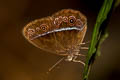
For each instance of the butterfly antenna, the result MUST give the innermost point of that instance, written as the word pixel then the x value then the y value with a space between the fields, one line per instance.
pixel 56 64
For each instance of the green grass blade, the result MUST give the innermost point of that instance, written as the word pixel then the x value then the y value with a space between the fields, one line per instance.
pixel 98 36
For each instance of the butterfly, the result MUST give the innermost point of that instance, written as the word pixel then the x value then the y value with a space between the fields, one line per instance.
pixel 61 33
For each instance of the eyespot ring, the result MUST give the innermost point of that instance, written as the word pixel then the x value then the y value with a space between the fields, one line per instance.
pixel 65 19
pixel 72 20
pixel 58 21
pixel 30 32
pixel 79 23
pixel 37 28
pixel 44 27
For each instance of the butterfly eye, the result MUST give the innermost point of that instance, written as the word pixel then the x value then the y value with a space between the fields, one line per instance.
pixel 72 20
pixel 44 27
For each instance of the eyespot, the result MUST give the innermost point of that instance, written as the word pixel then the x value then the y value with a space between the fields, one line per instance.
pixel 44 27
pixel 72 20
pixel 58 21
pixel 37 28
pixel 65 19
pixel 79 23
pixel 30 32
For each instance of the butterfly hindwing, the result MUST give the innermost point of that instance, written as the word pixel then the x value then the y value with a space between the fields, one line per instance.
pixel 58 33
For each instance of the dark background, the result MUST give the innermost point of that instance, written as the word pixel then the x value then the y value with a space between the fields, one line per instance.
pixel 19 60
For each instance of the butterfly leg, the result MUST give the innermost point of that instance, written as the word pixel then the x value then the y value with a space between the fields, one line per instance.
pixel 51 68
pixel 85 43
pixel 84 48
pixel 79 55
pixel 78 61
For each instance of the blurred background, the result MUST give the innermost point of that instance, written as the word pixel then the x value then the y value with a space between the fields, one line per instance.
pixel 19 60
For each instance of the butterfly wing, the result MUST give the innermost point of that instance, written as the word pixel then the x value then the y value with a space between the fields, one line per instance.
pixel 75 30
pixel 58 33
pixel 32 32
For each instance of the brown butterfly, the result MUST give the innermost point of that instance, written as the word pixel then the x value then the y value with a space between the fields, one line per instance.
pixel 61 34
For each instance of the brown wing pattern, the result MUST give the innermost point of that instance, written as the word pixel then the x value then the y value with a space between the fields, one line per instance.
pixel 49 33
pixel 70 38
